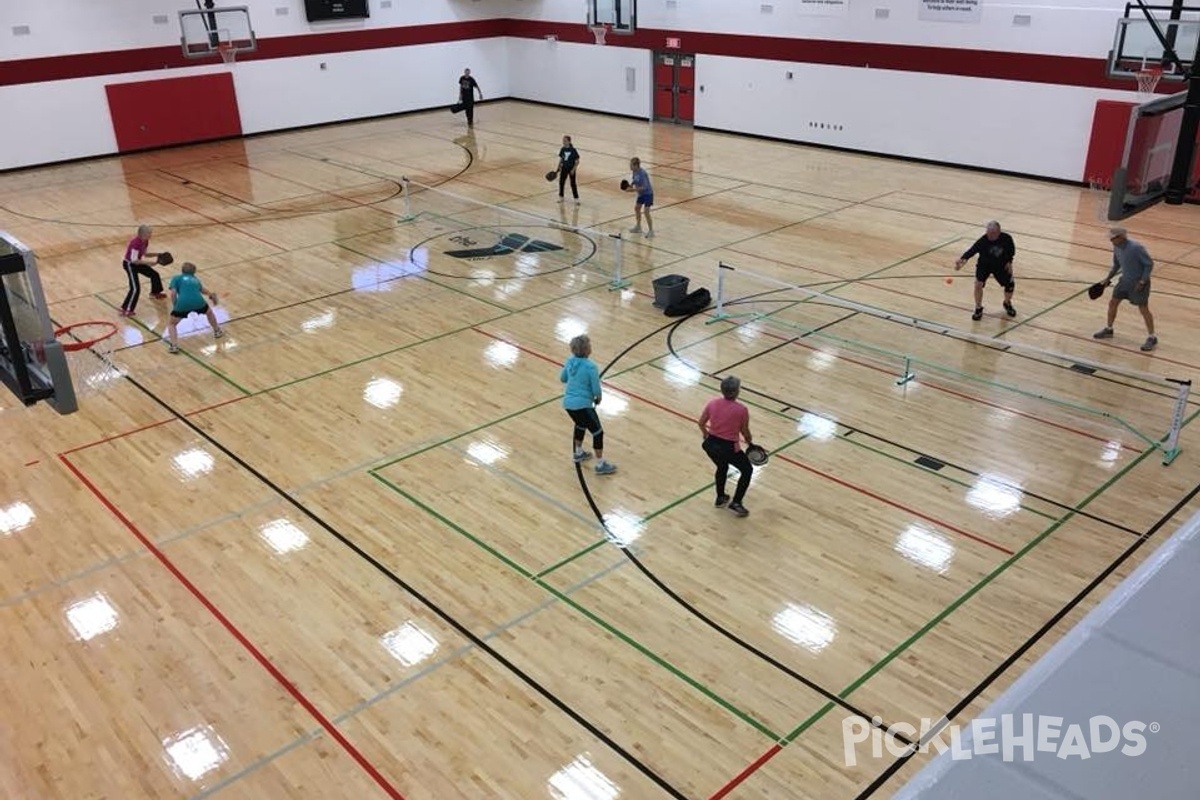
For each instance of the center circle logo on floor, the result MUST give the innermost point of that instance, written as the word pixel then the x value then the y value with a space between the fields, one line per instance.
pixel 483 243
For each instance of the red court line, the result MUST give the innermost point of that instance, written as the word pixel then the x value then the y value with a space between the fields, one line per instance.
pixel 841 482
pixel 150 425
pixel 963 395
pixel 747 772
pixel 214 220
pixel 241 638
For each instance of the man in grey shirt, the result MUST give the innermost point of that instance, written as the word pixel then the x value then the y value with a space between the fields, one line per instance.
pixel 1133 264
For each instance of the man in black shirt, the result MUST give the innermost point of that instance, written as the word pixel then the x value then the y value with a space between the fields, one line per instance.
pixel 996 250
pixel 467 87
pixel 568 160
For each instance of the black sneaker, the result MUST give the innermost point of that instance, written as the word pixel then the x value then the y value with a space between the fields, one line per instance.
pixel 739 509
pixel 978 315
pixel 722 499
pixel 1008 309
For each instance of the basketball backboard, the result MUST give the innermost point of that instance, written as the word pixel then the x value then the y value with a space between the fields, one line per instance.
pixel 32 362
pixel 216 31
pixel 1153 139
pixel 619 15
pixel 1137 43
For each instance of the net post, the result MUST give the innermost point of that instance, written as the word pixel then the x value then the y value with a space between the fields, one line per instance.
pixel 720 314
pixel 1170 445
pixel 618 282
pixel 407 194
pixel 908 375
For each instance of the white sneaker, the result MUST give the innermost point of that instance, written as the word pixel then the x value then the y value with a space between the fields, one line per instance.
pixel 649 234
pixel 218 333
pixel 636 229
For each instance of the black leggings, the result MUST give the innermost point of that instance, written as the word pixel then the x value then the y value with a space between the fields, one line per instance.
pixel 562 183
pixel 723 453
pixel 132 271
pixel 586 419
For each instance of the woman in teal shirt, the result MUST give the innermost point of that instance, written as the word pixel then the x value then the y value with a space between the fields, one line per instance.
pixel 580 399
pixel 188 297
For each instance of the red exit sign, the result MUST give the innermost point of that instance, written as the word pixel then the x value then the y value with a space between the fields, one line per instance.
pixel 673 42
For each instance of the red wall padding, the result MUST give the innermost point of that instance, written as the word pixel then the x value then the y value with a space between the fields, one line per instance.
pixel 173 111
pixel 1110 123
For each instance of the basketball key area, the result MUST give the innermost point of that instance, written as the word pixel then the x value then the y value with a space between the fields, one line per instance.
pixel 343 551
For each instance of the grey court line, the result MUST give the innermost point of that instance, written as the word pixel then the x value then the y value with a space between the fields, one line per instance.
pixel 408 681
pixel 186 532
pixel 529 489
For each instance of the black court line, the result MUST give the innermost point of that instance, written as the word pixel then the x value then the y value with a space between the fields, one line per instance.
pixel 395 579
pixel 793 340
pixel 416 273
pixel 1037 636
pixel 841 282
pixel 885 440
pixel 691 609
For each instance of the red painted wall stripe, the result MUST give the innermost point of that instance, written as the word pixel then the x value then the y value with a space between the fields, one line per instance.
pixel 1027 67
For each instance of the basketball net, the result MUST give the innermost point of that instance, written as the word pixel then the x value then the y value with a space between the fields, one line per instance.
pixel 600 32
pixel 228 54
pixel 1099 189
pixel 1147 80
pixel 90 360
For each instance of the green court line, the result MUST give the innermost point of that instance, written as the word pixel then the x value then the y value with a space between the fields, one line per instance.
pixel 931 473
pixel 461 434
pixel 891 656
pixel 383 354
pixel 660 661
pixel 186 352
pixel 1046 310
pixel 599 621
pixel 987 579
pixel 513 565
pixel 679 500
pixel 435 337
pixel 573 556
pixel 424 276
pixel 846 438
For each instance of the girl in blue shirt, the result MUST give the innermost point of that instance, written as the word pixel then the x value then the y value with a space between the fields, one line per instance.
pixel 580 399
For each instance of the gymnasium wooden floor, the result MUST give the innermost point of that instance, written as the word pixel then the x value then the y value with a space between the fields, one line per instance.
pixel 343 553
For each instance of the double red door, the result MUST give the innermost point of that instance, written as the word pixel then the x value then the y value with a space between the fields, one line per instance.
pixel 675 87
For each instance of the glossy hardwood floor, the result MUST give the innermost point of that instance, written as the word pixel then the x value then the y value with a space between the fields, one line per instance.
pixel 343 552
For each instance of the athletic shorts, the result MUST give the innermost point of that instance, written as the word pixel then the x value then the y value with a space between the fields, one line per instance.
pixel 183 313
pixel 1136 297
pixel 999 273
pixel 646 200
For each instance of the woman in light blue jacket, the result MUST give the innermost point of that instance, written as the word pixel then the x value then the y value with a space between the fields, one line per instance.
pixel 580 399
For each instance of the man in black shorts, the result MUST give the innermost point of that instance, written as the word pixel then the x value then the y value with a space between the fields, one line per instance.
pixel 996 250
pixel 467 89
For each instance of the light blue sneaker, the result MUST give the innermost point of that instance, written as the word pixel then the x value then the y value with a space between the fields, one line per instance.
pixel 606 468
pixel 581 456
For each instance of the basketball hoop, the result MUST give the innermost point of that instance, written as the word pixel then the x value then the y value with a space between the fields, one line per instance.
pixel 599 31
pixel 1147 80
pixel 90 359
pixel 228 53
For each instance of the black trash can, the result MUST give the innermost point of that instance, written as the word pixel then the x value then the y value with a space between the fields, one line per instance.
pixel 669 289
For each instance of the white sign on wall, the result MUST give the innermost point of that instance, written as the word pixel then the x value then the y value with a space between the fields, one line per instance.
pixel 951 10
pixel 822 8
